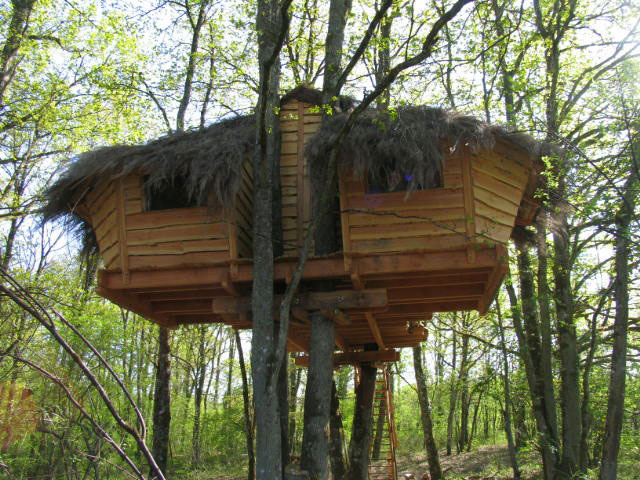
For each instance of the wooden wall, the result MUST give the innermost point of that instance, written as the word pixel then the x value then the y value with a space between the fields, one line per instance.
pixel 101 203
pixel 298 123
pixel 477 204
pixel 499 180
pixel 131 238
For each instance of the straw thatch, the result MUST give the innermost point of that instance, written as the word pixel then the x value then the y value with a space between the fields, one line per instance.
pixel 406 145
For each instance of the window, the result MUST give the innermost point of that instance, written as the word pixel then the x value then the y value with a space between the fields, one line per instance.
pixel 169 195
pixel 385 181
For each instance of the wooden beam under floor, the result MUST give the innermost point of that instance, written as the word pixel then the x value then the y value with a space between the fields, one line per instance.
pixel 353 358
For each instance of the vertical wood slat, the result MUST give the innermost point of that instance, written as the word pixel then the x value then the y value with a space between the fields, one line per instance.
pixel 469 210
pixel 344 221
pixel 233 241
pixel 300 177
pixel 122 231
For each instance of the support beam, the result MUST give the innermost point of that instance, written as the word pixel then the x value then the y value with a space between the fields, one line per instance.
pixel 355 358
pixel 131 303
pixel 374 298
pixel 338 317
pixel 375 330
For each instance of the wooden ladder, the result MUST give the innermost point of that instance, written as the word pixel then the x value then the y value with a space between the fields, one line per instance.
pixel 382 454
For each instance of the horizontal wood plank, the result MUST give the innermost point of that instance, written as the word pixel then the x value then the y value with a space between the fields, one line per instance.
pixel 433 198
pixel 404 230
pixel 176 261
pixel 496 186
pixel 494 201
pixel 180 247
pixel 499 167
pixel 496 231
pixel 493 214
pixel 166 218
pixel 406 216
pixel 177 233
pixel 440 242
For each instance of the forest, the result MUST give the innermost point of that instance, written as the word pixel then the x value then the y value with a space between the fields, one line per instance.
pixel 545 385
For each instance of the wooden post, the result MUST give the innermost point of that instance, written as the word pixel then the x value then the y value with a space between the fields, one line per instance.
pixel 317 400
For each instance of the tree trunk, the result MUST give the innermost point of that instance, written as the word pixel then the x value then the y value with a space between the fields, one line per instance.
pixel 248 426
pixel 544 440
pixel 162 401
pixel 615 405
pixel 362 423
pixel 317 400
pixel 200 370
pixel 507 399
pixel 337 446
pixel 464 391
pixel 453 394
pixel 283 406
pixel 264 361
pixel 568 347
pixel 425 415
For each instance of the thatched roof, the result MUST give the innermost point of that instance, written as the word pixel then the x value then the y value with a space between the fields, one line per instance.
pixel 210 160
pixel 408 143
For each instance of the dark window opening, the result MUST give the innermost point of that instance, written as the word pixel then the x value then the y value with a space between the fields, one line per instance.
pixel 169 195
pixel 385 181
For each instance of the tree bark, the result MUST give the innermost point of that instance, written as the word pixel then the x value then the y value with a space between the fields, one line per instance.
pixel 453 395
pixel 200 371
pixel 265 361
pixel 20 13
pixel 162 401
pixel 615 405
pixel 425 415
pixel 547 453
pixel 317 400
pixel 191 63
pixel 362 423
pixel 248 426
pixel 283 406
pixel 568 348
pixel 337 450
pixel 507 399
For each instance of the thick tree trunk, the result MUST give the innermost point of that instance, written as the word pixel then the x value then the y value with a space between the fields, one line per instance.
pixel 425 415
pixel 264 361
pixel 615 406
pixel 337 450
pixel 568 349
pixel 317 401
pixel 544 440
pixel 362 425
pixel 248 426
pixel 162 402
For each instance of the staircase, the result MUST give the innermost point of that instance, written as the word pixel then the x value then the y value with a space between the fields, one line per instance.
pixel 384 440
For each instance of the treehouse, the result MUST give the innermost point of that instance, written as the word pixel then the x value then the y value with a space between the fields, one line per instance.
pixel 428 200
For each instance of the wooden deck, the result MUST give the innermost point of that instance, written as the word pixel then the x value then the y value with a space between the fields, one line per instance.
pixel 382 298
